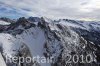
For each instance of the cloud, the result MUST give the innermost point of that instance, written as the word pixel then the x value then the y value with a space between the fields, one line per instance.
pixel 90 6
pixel 73 9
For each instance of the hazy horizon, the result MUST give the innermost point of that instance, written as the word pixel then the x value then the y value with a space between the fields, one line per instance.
pixel 71 9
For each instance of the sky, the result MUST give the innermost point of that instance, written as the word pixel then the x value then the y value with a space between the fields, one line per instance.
pixel 70 9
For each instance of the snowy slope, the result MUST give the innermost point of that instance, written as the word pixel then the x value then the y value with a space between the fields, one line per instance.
pixel 2 62
pixel 34 38
pixel 4 23
pixel 81 24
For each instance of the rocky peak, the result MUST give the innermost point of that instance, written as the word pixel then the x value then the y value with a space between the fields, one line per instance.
pixel 34 19
pixel 23 21
pixel 7 19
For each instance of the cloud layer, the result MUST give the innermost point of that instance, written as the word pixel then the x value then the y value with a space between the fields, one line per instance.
pixel 73 9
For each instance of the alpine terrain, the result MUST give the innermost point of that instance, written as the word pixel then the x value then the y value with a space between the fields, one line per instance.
pixel 64 42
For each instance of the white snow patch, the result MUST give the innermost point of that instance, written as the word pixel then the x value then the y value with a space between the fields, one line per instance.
pixel 4 23
pixel 34 38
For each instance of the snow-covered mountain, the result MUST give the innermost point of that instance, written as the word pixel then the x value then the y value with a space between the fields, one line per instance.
pixel 48 38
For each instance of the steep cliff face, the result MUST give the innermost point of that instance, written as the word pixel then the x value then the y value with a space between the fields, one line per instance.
pixel 54 41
